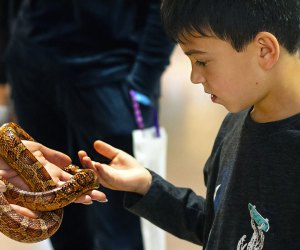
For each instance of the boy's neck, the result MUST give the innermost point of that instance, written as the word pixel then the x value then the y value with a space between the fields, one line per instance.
pixel 284 99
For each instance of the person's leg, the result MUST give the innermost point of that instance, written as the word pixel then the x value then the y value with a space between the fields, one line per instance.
pixel 66 117
pixel 36 94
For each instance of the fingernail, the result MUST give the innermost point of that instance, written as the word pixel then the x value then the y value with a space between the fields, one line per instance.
pixel 88 203
pixel 103 201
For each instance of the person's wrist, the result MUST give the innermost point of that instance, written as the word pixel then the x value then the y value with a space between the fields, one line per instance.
pixel 147 180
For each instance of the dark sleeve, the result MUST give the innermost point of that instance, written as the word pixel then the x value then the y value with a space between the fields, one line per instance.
pixel 153 55
pixel 3 37
pixel 178 211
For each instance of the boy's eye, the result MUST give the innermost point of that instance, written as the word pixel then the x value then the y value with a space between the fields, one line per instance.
pixel 201 63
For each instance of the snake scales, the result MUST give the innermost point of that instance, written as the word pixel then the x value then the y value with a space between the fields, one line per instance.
pixel 45 196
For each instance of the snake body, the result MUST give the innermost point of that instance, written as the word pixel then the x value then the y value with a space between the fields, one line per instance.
pixel 44 195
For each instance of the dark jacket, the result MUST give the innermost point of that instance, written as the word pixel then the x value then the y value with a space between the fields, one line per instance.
pixel 8 12
pixel 97 39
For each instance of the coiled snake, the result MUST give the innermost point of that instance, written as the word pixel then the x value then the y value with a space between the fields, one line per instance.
pixel 44 196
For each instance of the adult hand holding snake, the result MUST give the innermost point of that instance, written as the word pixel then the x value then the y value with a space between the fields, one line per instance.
pixel 49 192
pixel 53 161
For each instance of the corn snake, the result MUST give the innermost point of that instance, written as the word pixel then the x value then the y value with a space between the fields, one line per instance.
pixel 44 195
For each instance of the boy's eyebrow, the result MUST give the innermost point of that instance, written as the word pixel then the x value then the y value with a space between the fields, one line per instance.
pixel 193 51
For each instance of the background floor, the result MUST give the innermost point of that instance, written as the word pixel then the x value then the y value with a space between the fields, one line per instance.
pixel 191 121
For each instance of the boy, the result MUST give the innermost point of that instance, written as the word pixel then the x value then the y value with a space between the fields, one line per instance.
pixel 245 55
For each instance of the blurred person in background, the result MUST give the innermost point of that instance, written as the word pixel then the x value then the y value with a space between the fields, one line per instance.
pixel 71 65
pixel 8 12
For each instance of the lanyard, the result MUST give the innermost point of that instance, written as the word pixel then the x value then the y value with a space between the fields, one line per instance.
pixel 138 98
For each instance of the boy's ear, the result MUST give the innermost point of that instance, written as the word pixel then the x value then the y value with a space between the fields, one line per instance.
pixel 269 49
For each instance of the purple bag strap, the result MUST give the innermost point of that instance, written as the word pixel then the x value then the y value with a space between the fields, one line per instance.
pixel 136 99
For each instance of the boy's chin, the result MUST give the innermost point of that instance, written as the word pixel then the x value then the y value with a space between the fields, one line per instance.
pixel 236 109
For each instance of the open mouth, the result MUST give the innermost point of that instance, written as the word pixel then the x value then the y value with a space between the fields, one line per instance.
pixel 213 97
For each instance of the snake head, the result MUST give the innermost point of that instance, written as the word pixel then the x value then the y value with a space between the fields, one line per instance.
pixel 87 178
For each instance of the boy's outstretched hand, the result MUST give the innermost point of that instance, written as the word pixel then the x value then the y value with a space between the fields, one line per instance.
pixel 124 173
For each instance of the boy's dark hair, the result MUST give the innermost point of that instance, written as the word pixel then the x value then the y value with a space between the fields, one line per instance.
pixel 235 21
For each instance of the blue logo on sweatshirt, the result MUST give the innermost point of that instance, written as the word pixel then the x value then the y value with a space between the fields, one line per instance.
pixel 259 225
pixel 261 222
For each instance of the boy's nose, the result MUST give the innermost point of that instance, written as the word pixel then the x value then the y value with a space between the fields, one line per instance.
pixel 197 77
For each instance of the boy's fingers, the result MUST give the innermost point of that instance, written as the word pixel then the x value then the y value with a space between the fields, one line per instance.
pixel 106 150
pixel 81 154
pixel 86 162
pixel 105 176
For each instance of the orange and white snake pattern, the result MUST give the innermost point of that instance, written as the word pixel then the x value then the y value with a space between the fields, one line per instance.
pixel 45 196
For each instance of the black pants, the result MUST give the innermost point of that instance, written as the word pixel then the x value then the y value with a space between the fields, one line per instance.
pixel 67 116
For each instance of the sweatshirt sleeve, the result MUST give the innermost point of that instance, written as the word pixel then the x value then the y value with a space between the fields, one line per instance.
pixel 153 55
pixel 178 211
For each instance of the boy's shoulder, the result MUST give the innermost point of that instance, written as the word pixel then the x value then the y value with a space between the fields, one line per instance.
pixel 233 120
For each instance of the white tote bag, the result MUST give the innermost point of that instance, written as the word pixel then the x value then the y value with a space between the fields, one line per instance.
pixel 150 149
pixel 151 152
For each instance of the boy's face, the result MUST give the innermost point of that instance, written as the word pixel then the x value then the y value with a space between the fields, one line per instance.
pixel 230 77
